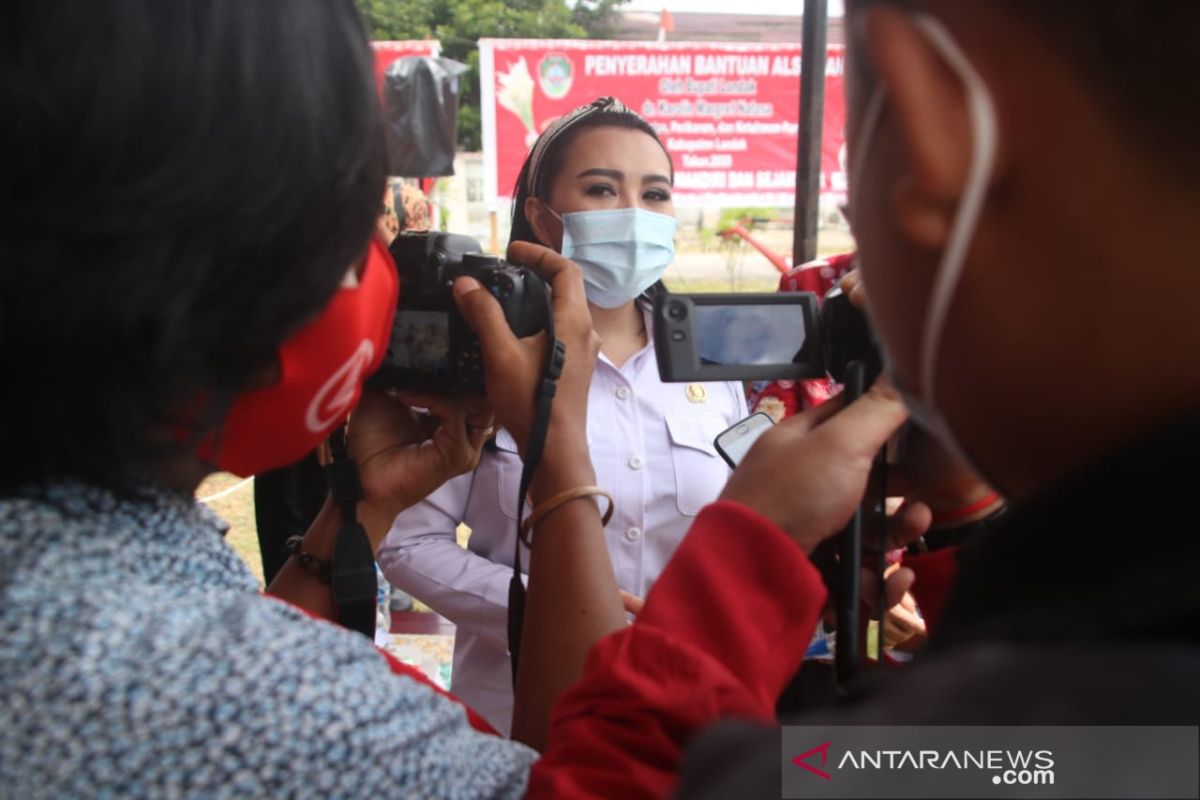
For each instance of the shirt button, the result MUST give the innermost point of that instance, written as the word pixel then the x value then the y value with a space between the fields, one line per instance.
pixel 633 534
pixel 636 462
pixel 623 393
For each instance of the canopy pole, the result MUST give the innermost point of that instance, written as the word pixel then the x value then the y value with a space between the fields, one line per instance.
pixel 814 40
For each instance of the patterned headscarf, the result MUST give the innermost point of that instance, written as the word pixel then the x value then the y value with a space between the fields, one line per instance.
pixel 560 126
pixel 415 205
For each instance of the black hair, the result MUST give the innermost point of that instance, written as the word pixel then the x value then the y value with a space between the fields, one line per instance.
pixel 554 157
pixel 185 184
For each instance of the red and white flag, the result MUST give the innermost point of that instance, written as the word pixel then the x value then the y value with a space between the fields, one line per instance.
pixel 665 24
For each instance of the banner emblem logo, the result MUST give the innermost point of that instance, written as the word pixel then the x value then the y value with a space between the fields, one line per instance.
pixel 555 74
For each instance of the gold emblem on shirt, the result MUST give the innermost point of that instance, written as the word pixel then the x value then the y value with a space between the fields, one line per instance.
pixel 696 393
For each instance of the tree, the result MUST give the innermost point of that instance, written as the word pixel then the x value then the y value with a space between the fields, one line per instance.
pixel 460 24
pixel 398 19
pixel 599 18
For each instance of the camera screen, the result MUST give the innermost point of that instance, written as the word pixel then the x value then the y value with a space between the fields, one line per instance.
pixel 421 341
pixel 749 334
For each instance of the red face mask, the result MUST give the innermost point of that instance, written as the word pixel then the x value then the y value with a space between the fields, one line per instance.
pixel 323 367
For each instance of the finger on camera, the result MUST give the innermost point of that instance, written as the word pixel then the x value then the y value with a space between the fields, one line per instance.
pixel 420 401
pixel 852 285
pixel 382 402
pixel 563 274
pixel 803 423
pixel 483 313
pixel 865 425
pixel 897 585
pixel 904 527
pixel 478 409
pixel 908 524
pixel 377 412
pixel 894 586
pixel 445 408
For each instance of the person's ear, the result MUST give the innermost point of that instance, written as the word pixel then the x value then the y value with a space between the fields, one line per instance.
pixel 546 226
pixel 928 103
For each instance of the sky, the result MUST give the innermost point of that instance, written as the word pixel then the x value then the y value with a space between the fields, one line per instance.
pixel 781 7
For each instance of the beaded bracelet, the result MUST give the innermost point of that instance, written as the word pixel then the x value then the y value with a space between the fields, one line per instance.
pixel 319 568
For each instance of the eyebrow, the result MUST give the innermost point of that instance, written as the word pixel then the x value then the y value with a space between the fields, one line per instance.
pixel 617 175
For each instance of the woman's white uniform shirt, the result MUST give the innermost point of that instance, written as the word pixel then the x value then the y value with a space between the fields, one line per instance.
pixel 652 447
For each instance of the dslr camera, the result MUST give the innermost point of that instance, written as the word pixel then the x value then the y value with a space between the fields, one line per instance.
pixel 432 348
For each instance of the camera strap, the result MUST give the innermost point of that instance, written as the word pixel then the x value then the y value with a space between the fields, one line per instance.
pixel 353 571
pixel 543 401
pixel 869 518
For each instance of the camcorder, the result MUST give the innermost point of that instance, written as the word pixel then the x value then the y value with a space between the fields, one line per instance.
pixel 710 337
pixel 760 337
pixel 432 348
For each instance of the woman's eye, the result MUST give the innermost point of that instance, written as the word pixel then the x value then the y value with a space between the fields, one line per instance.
pixel 657 196
pixel 600 190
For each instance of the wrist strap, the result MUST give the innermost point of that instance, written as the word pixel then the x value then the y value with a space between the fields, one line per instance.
pixel 353 563
pixel 956 536
pixel 955 514
pixel 560 500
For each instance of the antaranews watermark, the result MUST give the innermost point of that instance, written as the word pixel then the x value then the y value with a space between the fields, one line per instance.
pixel 991 762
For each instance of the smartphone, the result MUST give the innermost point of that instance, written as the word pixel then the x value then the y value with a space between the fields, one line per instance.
pixel 735 441
pixel 737 337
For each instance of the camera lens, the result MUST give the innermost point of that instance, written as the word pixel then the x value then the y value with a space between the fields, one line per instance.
pixel 677 311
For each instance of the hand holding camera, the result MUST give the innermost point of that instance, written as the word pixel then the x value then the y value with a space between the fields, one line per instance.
pixel 827 453
pixel 404 456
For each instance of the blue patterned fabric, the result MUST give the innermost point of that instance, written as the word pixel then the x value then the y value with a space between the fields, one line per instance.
pixel 139 659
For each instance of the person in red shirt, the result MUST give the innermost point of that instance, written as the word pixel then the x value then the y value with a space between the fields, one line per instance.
pixel 994 247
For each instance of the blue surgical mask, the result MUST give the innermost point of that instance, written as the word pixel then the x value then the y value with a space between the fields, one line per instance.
pixel 984 130
pixel 622 251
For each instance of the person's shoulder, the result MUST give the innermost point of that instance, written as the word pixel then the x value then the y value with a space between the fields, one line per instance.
pixel 231 689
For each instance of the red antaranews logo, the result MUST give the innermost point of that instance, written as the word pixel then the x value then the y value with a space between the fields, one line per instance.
pixel 823 749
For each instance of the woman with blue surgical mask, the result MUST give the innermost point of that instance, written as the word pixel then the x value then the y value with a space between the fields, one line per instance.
pixel 597 186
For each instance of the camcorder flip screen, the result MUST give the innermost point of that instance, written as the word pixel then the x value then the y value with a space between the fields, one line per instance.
pixel 724 337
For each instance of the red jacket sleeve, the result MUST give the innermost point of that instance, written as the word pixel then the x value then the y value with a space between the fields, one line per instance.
pixel 722 632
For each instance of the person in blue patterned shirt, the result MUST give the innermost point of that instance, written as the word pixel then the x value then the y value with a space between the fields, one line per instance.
pixel 227 164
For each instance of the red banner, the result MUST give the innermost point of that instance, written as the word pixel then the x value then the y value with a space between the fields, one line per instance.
pixel 387 52
pixel 727 112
